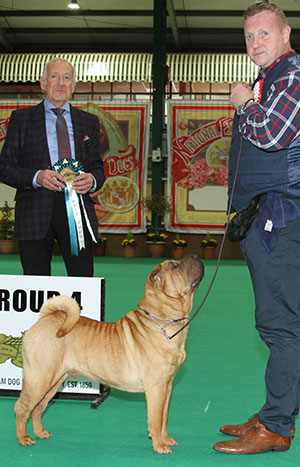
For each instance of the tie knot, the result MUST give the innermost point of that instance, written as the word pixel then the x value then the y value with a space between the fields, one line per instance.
pixel 58 111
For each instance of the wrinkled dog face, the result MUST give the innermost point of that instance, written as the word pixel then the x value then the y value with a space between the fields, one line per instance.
pixel 177 279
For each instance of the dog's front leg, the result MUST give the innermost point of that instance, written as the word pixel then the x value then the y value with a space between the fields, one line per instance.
pixel 155 398
pixel 164 435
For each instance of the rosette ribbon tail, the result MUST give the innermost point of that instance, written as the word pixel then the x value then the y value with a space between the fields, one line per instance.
pixel 74 220
pixel 87 220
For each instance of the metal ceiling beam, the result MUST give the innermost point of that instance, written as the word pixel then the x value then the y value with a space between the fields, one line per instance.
pixel 29 13
pixel 129 13
pixel 83 30
pixel 4 42
pixel 131 30
pixel 173 23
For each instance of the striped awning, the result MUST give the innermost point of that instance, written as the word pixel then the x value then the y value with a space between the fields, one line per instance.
pixel 89 67
pixel 132 67
pixel 213 68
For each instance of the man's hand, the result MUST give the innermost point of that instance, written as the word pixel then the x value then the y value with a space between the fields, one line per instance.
pixel 50 179
pixel 241 93
pixel 83 183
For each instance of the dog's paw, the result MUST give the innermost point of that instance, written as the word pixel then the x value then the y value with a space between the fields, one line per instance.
pixel 169 441
pixel 161 448
pixel 43 434
pixel 26 440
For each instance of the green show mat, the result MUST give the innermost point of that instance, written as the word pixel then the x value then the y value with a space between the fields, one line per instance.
pixel 221 381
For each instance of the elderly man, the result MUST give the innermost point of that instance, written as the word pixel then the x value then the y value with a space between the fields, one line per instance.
pixel 38 137
pixel 266 137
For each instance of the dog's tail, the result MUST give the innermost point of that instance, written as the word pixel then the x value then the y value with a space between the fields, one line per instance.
pixel 68 306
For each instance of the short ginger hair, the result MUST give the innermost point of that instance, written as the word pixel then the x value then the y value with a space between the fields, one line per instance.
pixel 265 5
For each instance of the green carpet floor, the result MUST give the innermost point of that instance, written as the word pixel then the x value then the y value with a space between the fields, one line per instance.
pixel 221 381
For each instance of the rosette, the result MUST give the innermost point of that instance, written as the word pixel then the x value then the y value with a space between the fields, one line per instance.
pixel 69 169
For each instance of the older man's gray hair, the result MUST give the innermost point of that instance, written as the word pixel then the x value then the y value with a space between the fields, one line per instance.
pixel 55 59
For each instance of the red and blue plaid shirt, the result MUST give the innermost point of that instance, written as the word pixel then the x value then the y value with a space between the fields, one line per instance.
pixel 274 124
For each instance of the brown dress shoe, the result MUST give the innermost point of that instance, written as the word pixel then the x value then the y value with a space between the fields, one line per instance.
pixel 257 440
pixel 240 430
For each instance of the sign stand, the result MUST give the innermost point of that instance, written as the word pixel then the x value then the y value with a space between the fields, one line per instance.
pixel 104 393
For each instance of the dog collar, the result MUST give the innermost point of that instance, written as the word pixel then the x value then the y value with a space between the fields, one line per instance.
pixel 168 322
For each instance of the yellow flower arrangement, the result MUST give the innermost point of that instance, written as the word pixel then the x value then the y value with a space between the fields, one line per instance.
pixel 101 240
pixel 129 240
pixel 178 242
pixel 157 237
pixel 208 241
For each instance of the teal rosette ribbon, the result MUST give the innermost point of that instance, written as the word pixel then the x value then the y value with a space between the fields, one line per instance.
pixel 69 169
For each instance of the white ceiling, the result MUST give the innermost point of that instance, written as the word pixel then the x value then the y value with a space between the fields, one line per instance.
pixel 104 26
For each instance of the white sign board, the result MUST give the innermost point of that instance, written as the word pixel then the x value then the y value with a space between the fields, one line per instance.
pixel 20 300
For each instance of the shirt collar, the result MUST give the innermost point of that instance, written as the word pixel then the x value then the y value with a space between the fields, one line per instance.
pixel 263 73
pixel 48 105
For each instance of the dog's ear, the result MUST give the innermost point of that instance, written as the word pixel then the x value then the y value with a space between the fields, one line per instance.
pixel 155 274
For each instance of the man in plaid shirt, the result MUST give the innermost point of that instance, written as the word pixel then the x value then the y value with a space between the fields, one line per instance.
pixel 265 136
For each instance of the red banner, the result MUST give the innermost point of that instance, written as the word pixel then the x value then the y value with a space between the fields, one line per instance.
pixel 199 141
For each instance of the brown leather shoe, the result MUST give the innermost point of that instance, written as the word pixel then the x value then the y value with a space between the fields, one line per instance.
pixel 257 440
pixel 240 430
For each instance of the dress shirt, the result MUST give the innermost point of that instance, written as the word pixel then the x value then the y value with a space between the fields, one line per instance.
pixel 51 129
pixel 51 118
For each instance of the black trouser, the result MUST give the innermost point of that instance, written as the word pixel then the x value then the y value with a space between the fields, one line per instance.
pixel 36 255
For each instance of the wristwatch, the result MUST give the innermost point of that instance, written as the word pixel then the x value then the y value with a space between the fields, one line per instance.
pixel 241 108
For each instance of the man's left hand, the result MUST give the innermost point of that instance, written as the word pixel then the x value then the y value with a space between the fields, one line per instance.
pixel 83 183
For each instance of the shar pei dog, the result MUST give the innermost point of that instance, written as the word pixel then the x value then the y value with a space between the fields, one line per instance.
pixel 133 354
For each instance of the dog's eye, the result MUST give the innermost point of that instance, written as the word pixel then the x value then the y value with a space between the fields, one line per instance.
pixel 175 265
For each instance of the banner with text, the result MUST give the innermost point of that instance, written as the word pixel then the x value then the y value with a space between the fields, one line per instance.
pixel 124 141
pixel 20 300
pixel 199 136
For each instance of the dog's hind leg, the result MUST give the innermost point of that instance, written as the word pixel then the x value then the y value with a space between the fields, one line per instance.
pixel 23 411
pixel 34 391
pixel 164 435
pixel 36 416
pixel 30 396
pixel 155 397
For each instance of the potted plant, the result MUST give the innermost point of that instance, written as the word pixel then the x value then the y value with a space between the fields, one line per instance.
pixel 156 243
pixel 129 244
pixel 159 205
pixel 100 248
pixel 6 229
pixel 178 247
pixel 209 246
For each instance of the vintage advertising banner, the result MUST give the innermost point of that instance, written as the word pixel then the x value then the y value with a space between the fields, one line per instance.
pixel 199 136
pixel 124 138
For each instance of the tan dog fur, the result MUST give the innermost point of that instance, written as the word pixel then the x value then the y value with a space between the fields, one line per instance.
pixel 131 354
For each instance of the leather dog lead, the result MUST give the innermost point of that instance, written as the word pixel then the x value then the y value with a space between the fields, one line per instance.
pixel 220 251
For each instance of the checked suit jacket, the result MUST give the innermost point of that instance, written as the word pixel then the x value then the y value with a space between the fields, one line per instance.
pixel 25 151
